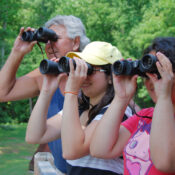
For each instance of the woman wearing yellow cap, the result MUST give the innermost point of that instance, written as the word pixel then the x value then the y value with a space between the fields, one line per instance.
pixel 87 96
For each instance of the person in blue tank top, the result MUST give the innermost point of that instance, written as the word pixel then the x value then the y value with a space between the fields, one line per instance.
pixel 56 105
pixel 71 37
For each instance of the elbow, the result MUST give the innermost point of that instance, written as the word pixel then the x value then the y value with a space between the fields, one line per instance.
pixel 68 152
pixel 102 154
pixel 74 153
pixel 2 98
pixel 31 140
pixel 4 94
pixel 28 140
pixel 69 155
pixel 93 152
pixel 96 153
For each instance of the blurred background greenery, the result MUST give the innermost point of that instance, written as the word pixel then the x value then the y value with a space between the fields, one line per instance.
pixel 129 24
pixel 15 153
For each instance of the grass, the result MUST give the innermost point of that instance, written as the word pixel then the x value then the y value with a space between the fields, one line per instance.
pixel 15 153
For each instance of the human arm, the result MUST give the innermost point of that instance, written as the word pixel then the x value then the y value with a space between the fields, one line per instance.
pixel 75 138
pixel 39 129
pixel 134 106
pixel 12 88
pixel 162 142
pixel 109 134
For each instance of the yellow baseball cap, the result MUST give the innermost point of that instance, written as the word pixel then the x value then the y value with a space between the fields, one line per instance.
pixel 98 53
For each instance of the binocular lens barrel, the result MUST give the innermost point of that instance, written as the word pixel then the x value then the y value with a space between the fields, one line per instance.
pixel 45 34
pixel 49 67
pixel 139 67
pixel 42 34
pixel 27 36
pixel 118 67
pixel 64 64
pixel 148 62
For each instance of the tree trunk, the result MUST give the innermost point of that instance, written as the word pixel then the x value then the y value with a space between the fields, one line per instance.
pixel 3 46
pixel 31 105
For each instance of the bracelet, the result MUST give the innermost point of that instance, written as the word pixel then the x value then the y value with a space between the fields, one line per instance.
pixel 70 92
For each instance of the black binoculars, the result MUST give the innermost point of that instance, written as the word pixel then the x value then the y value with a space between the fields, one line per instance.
pixel 51 67
pixel 147 64
pixel 42 34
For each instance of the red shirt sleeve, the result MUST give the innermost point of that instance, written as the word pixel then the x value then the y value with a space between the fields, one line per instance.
pixel 132 122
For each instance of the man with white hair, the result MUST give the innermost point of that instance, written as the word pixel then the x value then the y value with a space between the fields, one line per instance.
pixel 71 37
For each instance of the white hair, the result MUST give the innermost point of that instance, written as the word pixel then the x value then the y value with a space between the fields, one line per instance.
pixel 74 28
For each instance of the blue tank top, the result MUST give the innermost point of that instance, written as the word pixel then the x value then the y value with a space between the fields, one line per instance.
pixel 55 146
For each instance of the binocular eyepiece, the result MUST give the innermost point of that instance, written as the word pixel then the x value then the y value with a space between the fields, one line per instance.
pixel 51 67
pixel 42 34
pixel 147 64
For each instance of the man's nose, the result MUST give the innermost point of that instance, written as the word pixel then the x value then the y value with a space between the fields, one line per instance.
pixel 51 42
pixel 48 42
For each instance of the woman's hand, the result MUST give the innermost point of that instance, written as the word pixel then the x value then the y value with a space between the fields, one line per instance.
pixel 163 86
pixel 77 76
pixel 125 86
pixel 51 82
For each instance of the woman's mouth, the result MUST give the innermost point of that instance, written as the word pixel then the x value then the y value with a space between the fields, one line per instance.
pixel 85 85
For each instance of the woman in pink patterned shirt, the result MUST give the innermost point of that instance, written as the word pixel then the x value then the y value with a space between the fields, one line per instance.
pixel 146 139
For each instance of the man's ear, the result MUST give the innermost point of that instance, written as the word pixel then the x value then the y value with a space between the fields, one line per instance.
pixel 76 44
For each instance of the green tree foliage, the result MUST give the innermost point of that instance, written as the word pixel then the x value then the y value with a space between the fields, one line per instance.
pixel 8 19
pixel 129 24
pixel 158 20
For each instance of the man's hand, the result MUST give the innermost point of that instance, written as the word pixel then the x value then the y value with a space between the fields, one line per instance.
pixel 23 47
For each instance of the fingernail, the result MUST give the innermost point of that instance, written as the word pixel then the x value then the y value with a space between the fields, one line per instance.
pixel 158 53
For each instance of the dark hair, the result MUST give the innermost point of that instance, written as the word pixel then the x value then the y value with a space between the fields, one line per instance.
pixel 165 45
pixel 107 98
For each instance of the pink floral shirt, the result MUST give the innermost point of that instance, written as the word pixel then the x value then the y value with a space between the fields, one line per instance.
pixel 136 153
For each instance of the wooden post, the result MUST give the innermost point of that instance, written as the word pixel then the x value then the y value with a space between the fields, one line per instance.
pixel 44 164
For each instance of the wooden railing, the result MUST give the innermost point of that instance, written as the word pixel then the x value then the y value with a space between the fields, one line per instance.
pixel 44 164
